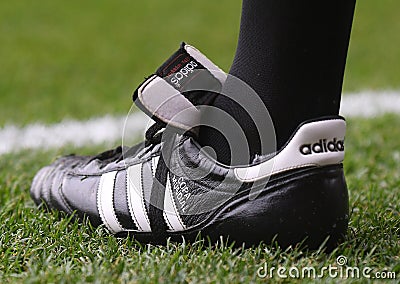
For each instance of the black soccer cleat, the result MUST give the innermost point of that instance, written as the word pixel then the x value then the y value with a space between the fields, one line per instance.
pixel 167 187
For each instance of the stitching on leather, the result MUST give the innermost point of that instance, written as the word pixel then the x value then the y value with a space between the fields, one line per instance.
pixel 194 76
pixel 203 63
pixel 281 150
pixel 172 61
pixel 154 166
pixel 128 198
pixel 45 189
pixel 159 115
pixel 112 202
pixel 100 205
pixel 63 198
pixel 276 153
pixel 294 168
pixel 167 221
pixel 118 168
pixel 293 136
pixel 127 202
pixel 143 202
pixel 174 205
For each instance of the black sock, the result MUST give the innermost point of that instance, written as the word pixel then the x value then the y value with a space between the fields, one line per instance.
pixel 293 54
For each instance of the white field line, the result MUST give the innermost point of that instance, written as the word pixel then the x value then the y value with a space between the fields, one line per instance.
pixel 370 104
pixel 109 129
pixel 94 131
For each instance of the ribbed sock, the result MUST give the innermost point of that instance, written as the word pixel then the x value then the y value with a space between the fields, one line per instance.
pixel 293 54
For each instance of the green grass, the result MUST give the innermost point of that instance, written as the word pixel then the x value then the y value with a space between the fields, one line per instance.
pixel 374 53
pixel 82 58
pixel 39 247
pixel 78 59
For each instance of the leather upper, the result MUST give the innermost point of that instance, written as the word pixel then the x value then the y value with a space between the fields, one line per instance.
pixel 173 185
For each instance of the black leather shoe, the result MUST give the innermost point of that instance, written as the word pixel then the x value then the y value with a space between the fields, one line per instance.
pixel 168 187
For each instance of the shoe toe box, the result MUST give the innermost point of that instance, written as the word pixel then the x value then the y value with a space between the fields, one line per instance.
pixel 37 184
pixel 46 183
pixel 58 187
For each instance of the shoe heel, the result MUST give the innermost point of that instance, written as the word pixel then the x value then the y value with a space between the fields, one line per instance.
pixel 307 208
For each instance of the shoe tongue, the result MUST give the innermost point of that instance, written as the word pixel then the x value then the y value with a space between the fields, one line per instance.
pixel 186 80
pixel 188 69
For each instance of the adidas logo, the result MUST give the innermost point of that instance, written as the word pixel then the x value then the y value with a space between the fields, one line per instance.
pixel 183 73
pixel 323 146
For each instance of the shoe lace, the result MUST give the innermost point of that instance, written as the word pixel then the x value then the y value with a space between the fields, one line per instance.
pixel 153 137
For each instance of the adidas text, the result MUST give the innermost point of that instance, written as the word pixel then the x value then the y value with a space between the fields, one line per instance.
pixel 183 73
pixel 323 146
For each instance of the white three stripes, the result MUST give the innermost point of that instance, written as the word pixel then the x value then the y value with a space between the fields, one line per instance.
pixel 154 163
pixel 171 214
pixel 136 201
pixel 105 201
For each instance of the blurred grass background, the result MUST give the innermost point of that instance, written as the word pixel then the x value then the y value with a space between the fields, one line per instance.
pixel 78 59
